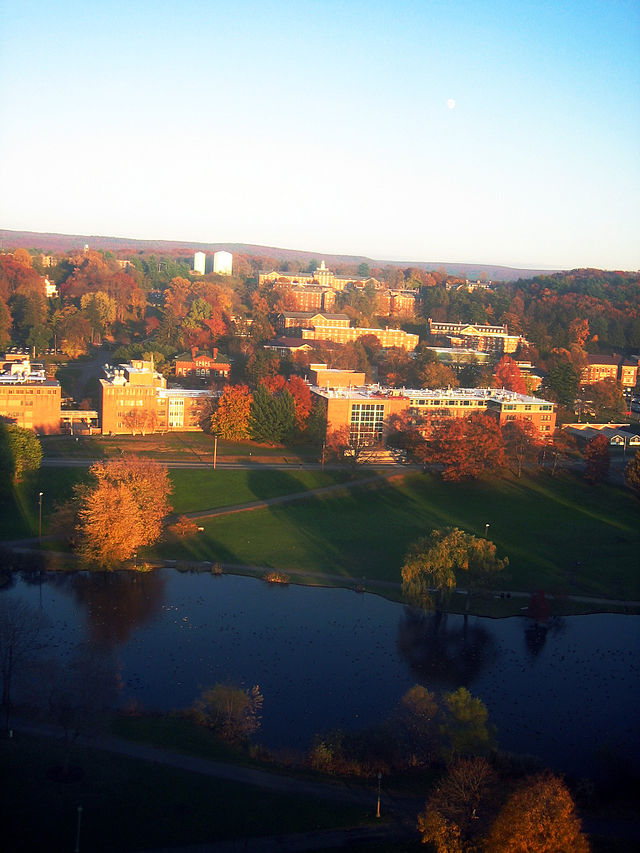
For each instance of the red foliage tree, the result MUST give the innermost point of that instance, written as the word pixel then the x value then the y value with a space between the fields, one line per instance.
pixel 507 375
pixel 469 447
pixel 597 459
pixel 298 389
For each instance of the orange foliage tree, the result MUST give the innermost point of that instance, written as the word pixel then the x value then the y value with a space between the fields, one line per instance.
pixel 539 817
pixel 231 417
pixel 597 459
pixel 122 510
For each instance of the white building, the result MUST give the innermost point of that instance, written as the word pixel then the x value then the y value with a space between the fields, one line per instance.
pixel 199 261
pixel 223 263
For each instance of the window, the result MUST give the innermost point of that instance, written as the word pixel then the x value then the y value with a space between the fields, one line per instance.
pixel 366 425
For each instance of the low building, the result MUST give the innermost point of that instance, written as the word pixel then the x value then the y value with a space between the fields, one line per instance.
pixel 325 377
pixel 134 398
pixel 366 410
pixel 288 346
pixel 27 398
pixel 199 363
pixel 618 435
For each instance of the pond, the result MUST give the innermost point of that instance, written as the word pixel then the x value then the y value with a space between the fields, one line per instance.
pixel 329 658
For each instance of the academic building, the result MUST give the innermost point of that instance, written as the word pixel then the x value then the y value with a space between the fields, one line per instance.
pixel 134 398
pixel 366 410
pixel 320 276
pixel 206 365
pixel 27 398
pixel 495 339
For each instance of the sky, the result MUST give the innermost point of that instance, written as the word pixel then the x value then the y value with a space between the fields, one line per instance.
pixel 498 132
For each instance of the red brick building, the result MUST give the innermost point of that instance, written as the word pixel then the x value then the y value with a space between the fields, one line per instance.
pixel 197 362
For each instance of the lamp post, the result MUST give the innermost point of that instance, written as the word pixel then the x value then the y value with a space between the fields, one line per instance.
pixel 77 847
pixel 215 451
pixel 40 517
pixel 486 530
pixel 379 780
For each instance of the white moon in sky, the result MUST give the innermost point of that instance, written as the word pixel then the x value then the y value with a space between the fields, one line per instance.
pixel 451 104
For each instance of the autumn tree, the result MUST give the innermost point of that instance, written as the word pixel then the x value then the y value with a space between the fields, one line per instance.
pixel 597 459
pixel 121 510
pixel 522 443
pixel 539 817
pixel 458 812
pixel 234 713
pixel 299 390
pixel 416 723
pixel 606 399
pixel 438 562
pixel 465 728
pixel 230 420
pixel 632 473
pixel 507 375
pixel 20 451
pixel 467 448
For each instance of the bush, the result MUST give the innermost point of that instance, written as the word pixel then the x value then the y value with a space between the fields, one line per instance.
pixel 276 577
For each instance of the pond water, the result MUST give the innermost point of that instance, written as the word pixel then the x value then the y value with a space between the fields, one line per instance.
pixel 328 658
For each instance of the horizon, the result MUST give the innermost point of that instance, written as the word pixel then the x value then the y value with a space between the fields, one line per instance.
pixel 479 130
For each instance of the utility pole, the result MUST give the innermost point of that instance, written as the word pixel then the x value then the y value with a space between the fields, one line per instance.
pixel 215 451
pixel 40 518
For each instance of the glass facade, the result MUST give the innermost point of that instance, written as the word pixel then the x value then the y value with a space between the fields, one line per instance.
pixel 366 424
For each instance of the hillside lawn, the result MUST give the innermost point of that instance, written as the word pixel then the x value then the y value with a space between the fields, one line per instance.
pixel 560 534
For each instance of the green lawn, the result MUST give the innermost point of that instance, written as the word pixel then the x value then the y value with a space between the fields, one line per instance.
pixel 135 805
pixel 558 534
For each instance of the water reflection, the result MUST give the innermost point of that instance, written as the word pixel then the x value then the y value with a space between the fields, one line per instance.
pixel 448 651
pixel 117 603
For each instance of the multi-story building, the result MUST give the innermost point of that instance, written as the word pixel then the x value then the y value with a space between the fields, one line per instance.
pixel 494 339
pixel 298 320
pixel 203 364
pixel 621 370
pixel 199 262
pixel 320 276
pixel 325 377
pixel 345 334
pixel 312 297
pixel 366 410
pixel 135 398
pixel 27 398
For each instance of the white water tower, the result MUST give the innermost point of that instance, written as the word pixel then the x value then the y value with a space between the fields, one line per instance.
pixel 199 261
pixel 223 263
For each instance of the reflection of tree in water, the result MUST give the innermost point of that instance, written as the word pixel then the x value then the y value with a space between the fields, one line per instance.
pixel 444 651
pixel 118 602
pixel 535 633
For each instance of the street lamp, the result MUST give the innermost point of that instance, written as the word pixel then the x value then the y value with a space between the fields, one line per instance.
pixel 40 518
pixel 215 451
pixel 486 530
pixel 379 780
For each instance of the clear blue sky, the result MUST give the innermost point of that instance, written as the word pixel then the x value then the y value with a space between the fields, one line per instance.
pixel 485 132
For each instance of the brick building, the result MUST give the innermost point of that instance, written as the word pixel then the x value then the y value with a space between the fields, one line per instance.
pixel 494 339
pixel 200 363
pixel 135 398
pixel 614 367
pixel 27 398
pixel 366 410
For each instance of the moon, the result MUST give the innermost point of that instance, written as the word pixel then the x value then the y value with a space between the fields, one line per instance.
pixel 451 104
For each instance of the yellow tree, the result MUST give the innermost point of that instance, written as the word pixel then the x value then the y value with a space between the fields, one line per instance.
pixel 539 817
pixel 231 417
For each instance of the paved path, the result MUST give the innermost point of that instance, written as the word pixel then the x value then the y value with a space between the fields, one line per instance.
pixel 401 810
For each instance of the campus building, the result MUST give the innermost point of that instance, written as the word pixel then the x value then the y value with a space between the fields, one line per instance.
pixel 495 339
pixel 601 367
pixel 320 276
pixel 27 398
pixel 342 335
pixel 366 410
pixel 135 398
pixel 205 365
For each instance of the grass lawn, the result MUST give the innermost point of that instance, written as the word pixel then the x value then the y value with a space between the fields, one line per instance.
pixel 136 805
pixel 183 446
pixel 559 534
pixel 192 490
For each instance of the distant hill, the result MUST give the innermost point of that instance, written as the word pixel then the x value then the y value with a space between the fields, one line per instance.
pixel 125 245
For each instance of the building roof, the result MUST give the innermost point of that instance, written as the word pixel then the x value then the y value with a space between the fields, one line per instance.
pixel 604 359
pixel 219 358
pixel 369 392
pixel 306 315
